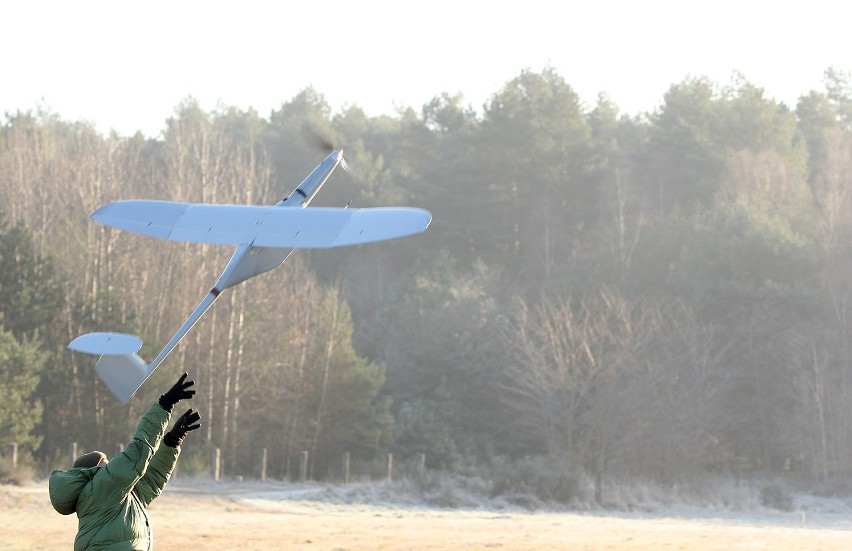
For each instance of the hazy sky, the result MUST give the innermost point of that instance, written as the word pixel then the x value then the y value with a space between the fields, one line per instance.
pixel 127 65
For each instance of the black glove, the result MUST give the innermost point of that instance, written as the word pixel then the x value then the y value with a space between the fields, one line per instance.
pixel 187 422
pixel 177 393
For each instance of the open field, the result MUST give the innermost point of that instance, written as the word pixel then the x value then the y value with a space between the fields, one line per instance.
pixel 230 515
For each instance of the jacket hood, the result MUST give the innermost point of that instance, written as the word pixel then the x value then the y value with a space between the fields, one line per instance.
pixel 64 487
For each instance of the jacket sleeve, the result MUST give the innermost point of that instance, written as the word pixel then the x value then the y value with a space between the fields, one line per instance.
pixel 159 470
pixel 125 469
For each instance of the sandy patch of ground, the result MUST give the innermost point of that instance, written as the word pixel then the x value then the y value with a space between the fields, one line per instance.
pixel 227 516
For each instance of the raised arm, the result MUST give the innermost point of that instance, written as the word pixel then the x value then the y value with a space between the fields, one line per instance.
pixel 124 470
pixel 163 462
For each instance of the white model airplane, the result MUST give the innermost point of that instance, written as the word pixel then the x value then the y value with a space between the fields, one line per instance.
pixel 264 235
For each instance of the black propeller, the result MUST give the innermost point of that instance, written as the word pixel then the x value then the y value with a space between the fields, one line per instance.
pixel 321 143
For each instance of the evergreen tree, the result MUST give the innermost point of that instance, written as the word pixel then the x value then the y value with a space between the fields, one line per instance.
pixel 30 296
pixel 21 363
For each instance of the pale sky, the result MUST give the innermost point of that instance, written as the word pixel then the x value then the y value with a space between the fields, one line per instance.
pixel 127 65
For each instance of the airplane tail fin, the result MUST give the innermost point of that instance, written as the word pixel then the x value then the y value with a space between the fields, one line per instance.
pixel 119 367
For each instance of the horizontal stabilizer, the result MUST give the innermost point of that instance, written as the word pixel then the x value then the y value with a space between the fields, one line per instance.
pixel 262 226
pixel 106 343
pixel 119 367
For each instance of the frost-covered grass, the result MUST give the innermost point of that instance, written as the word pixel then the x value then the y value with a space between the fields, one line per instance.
pixel 710 498
pixel 20 476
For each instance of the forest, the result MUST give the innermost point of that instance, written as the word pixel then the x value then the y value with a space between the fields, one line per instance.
pixel 661 296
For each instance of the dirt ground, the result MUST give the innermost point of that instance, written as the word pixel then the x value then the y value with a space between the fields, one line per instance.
pixel 212 516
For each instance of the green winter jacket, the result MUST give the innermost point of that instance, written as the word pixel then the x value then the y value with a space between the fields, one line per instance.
pixel 110 501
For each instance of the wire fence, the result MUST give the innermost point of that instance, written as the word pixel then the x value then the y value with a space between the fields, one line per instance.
pixel 348 472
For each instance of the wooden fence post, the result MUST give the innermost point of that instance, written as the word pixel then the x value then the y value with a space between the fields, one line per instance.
pixel 216 463
pixel 390 467
pixel 421 463
pixel 346 468
pixel 14 452
pixel 303 466
pixel 72 451
pixel 263 465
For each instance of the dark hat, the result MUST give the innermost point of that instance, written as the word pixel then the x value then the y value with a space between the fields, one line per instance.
pixel 90 459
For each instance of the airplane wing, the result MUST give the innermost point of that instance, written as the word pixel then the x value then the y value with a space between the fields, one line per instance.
pixel 262 226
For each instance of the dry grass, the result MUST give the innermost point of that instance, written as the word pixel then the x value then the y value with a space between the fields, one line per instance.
pixel 227 516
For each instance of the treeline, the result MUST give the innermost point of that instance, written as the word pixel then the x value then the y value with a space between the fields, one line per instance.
pixel 654 297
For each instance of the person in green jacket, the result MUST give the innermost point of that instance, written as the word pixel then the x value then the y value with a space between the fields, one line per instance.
pixel 110 497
